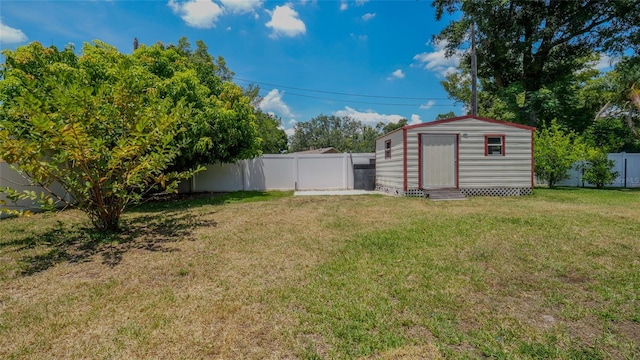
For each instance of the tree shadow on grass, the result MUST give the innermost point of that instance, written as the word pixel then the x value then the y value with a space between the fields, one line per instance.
pixel 79 244
pixel 192 200
pixel 160 221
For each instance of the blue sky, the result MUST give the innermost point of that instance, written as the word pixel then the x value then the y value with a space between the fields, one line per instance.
pixel 373 48
pixel 305 55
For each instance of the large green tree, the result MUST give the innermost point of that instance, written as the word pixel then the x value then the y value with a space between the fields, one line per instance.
pixel 273 138
pixel 527 49
pixel 222 127
pixel 563 100
pixel 617 94
pixel 111 127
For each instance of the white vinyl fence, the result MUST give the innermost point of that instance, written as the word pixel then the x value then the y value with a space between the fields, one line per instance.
pixel 281 172
pixel 12 179
pixel 268 172
pixel 303 172
pixel 627 166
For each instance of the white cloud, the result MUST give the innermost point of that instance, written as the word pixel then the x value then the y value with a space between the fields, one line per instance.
pixel 344 5
pixel 285 22
pixel 605 62
pixel 272 103
pixel 228 28
pixel 11 35
pixel 415 119
pixel 197 13
pixel 369 117
pixel 428 105
pixel 398 74
pixel 292 127
pixel 368 16
pixel 241 6
pixel 359 37
pixel 436 60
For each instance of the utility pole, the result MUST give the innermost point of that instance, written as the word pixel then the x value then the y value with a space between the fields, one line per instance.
pixel 474 72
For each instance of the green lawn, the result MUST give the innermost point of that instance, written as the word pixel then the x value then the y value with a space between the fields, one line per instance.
pixel 268 275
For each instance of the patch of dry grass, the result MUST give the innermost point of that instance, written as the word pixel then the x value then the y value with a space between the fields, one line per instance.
pixel 551 275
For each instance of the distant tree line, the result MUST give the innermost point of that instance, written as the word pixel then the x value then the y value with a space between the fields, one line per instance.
pixel 342 133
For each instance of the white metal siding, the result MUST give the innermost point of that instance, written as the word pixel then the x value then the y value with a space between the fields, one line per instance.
pixel 390 172
pixel 475 169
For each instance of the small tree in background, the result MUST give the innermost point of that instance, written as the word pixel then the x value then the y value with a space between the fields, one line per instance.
pixel 598 169
pixel 556 152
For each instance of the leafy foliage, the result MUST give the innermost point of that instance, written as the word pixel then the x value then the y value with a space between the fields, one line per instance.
pixel 222 127
pixel 96 124
pixel 599 169
pixel 555 153
pixel 617 94
pixel 343 133
pixel 45 202
pixel 528 51
pixel 110 127
pixel 447 115
pixel 273 138
pixel 612 135
pixel 383 128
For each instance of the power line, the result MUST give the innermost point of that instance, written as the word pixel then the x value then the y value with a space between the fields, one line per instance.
pixel 340 93
pixel 363 102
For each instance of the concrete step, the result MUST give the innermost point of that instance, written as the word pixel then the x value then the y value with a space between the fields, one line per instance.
pixel 444 194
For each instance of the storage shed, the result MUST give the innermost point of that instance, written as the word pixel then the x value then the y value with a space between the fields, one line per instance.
pixel 478 156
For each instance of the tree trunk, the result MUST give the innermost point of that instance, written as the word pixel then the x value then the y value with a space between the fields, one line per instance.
pixel 105 213
pixel 531 77
pixel 107 222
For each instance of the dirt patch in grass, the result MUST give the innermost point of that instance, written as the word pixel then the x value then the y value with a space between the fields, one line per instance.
pixel 410 353
pixel 630 329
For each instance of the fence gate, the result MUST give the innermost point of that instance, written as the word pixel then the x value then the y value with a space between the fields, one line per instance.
pixel 364 176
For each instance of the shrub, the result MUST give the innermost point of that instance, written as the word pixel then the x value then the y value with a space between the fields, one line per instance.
pixel 556 152
pixel 598 169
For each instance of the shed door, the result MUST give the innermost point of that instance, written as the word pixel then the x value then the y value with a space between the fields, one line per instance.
pixel 438 161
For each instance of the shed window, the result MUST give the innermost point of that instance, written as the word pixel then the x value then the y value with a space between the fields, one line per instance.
pixel 387 149
pixel 494 145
